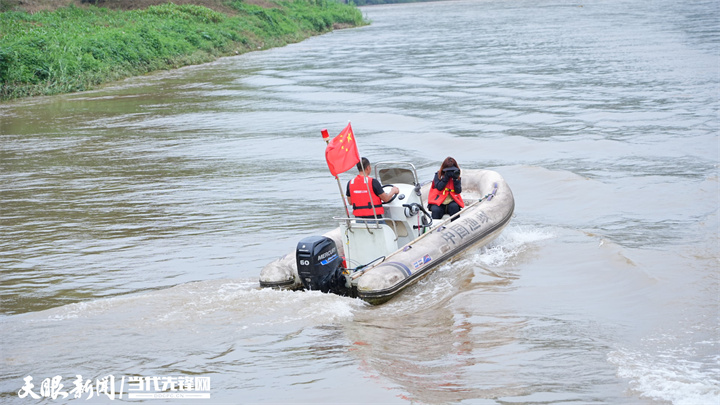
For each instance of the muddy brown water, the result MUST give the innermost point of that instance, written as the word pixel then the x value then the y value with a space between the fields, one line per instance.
pixel 135 218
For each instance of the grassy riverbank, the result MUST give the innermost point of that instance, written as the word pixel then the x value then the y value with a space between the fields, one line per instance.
pixel 77 47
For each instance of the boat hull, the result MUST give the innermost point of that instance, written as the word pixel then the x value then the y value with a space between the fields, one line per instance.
pixel 477 225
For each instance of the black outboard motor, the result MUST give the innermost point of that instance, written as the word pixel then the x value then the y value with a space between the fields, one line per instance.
pixel 320 266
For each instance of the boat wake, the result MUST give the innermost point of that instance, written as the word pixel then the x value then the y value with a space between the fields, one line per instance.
pixel 666 374
pixel 510 244
pixel 208 303
pixel 241 303
pixel 486 265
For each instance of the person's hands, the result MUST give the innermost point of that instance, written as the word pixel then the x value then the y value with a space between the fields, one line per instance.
pixel 452 172
pixel 395 190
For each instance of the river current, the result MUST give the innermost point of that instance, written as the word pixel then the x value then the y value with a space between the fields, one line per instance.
pixel 135 218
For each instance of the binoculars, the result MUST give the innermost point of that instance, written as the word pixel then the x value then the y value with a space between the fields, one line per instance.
pixel 452 172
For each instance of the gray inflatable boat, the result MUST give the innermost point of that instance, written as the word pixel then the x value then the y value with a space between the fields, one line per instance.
pixel 377 259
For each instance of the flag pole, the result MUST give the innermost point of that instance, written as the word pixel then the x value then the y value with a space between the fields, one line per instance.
pixel 326 137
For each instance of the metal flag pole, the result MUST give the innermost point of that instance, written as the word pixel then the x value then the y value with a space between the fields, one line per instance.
pixel 326 137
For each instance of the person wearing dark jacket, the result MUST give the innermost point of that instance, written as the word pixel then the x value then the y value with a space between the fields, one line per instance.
pixel 444 196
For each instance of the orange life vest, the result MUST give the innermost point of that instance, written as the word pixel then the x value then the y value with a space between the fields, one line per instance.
pixel 361 199
pixel 437 197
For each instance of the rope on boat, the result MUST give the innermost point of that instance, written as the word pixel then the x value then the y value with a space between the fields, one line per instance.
pixel 489 196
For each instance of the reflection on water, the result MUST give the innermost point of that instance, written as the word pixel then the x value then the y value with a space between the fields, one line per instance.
pixel 135 218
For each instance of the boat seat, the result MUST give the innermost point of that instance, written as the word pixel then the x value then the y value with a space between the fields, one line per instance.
pixel 365 243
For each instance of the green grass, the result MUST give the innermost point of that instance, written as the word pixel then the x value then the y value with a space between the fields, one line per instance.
pixel 76 48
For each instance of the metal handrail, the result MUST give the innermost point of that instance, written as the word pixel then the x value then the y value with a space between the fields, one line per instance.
pixel 366 221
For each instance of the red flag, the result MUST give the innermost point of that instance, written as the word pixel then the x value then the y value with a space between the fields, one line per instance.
pixel 342 152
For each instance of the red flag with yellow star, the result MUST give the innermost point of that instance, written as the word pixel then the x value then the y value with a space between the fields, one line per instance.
pixel 342 152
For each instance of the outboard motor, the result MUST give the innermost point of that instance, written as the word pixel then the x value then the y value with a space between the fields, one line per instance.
pixel 319 266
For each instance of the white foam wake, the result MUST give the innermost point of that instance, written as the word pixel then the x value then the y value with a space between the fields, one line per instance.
pixel 671 375
pixel 511 242
pixel 238 301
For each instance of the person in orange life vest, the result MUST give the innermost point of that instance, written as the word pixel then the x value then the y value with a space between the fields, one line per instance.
pixel 444 196
pixel 357 192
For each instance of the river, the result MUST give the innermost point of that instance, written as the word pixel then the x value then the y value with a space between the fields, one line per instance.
pixel 136 218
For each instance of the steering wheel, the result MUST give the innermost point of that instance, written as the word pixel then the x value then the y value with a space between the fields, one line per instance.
pixel 391 198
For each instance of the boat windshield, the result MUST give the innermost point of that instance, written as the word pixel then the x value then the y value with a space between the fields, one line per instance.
pixel 396 175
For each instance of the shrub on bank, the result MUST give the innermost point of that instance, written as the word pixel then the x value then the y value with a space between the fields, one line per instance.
pixel 75 48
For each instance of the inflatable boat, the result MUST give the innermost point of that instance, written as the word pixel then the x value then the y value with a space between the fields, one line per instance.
pixel 376 259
